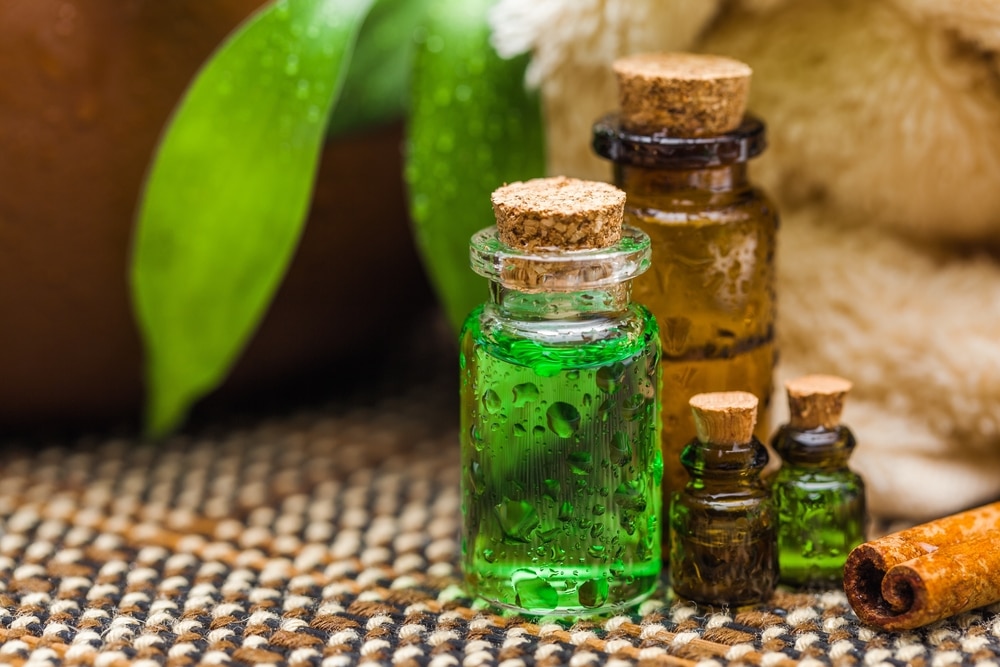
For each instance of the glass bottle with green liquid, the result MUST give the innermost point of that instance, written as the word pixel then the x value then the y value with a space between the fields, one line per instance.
pixel 680 146
pixel 561 463
pixel 820 501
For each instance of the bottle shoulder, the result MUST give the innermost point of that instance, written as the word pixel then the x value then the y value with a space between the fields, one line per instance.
pixel 819 448
pixel 749 206
pixel 579 342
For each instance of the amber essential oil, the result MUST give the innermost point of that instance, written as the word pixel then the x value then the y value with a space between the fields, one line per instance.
pixel 713 233
pixel 723 548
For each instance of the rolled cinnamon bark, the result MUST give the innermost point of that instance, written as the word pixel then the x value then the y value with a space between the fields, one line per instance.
pixel 928 572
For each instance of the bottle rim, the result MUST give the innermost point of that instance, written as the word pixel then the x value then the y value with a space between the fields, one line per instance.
pixel 557 270
pixel 659 150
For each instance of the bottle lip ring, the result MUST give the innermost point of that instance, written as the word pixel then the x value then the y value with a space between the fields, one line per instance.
pixel 557 270
pixel 659 150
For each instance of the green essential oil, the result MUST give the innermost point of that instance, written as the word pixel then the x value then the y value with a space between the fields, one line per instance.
pixel 561 463
pixel 561 468
pixel 723 525
pixel 821 504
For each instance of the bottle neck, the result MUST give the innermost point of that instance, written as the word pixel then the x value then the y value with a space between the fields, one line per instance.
pixel 602 301
pixel 686 183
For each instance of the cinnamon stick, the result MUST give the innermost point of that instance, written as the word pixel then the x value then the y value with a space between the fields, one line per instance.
pixel 923 574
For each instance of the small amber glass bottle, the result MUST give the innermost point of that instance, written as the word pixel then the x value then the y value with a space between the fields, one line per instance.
pixel 680 146
pixel 561 462
pixel 722 524
pixel 820 501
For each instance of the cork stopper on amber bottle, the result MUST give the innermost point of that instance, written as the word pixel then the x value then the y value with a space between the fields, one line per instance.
pixel 724 417
pixel 816 400
pixel 681 94
pixel 559 212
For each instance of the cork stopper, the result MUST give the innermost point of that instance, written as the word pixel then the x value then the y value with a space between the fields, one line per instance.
pixel 559 212
pixel 724 417
pixel 816 400
pixel 681 94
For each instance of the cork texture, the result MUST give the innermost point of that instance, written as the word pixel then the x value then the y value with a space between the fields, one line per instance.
pixel 559 213
pixel 816 400
pixel 682 94
pixel 724 418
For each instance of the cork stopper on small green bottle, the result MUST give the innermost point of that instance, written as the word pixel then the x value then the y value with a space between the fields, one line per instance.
pixel 682 94
pixel 559 213
pixel 725 417
pixel 816 401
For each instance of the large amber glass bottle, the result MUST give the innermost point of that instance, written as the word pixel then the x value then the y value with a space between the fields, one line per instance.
pixel 711 283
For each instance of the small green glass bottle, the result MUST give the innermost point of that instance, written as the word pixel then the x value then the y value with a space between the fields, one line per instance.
pixel 561 464
pixel 722 524
pixel 820 501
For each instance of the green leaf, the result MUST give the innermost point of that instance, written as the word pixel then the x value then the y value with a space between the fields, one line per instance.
pixel 376 87
pixel 472 127
pixel 228 193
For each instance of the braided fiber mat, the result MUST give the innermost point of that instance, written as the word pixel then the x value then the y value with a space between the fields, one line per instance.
pixel 329 538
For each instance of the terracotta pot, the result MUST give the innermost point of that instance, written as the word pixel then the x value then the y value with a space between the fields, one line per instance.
pixel 85 92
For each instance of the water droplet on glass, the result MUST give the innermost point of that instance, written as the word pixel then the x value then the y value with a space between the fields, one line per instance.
pixel 656 467
pixel 633 407
pixel 596 550
pixel 609 378
pixel 491 401
pixel 581 463
pixel 587 400
pixel 598 510
pixel 593 593
pixel 563 419
pixel 533 592
pixel 517 519
pixel 524 394
pixel 630 495
pixel 547 369
pixel 520 431
pixel 620 448
pixel 566 511
pixel 573 375
pixel 476 436
pixel 552 488
pixel 477 480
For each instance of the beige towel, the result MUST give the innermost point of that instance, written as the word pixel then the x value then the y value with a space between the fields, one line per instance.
pixel 884 126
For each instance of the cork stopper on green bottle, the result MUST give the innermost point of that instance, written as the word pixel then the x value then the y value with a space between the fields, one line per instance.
pixel 682 94
pixel 816 401
pixel 559 213
pixel 724 418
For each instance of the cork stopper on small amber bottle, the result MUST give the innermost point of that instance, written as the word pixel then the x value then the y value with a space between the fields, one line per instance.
pixel 724 417
pixel 682 94
pixel 559 212
pixel 816 400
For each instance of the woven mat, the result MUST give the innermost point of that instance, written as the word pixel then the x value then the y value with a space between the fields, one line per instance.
pixel 330 538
